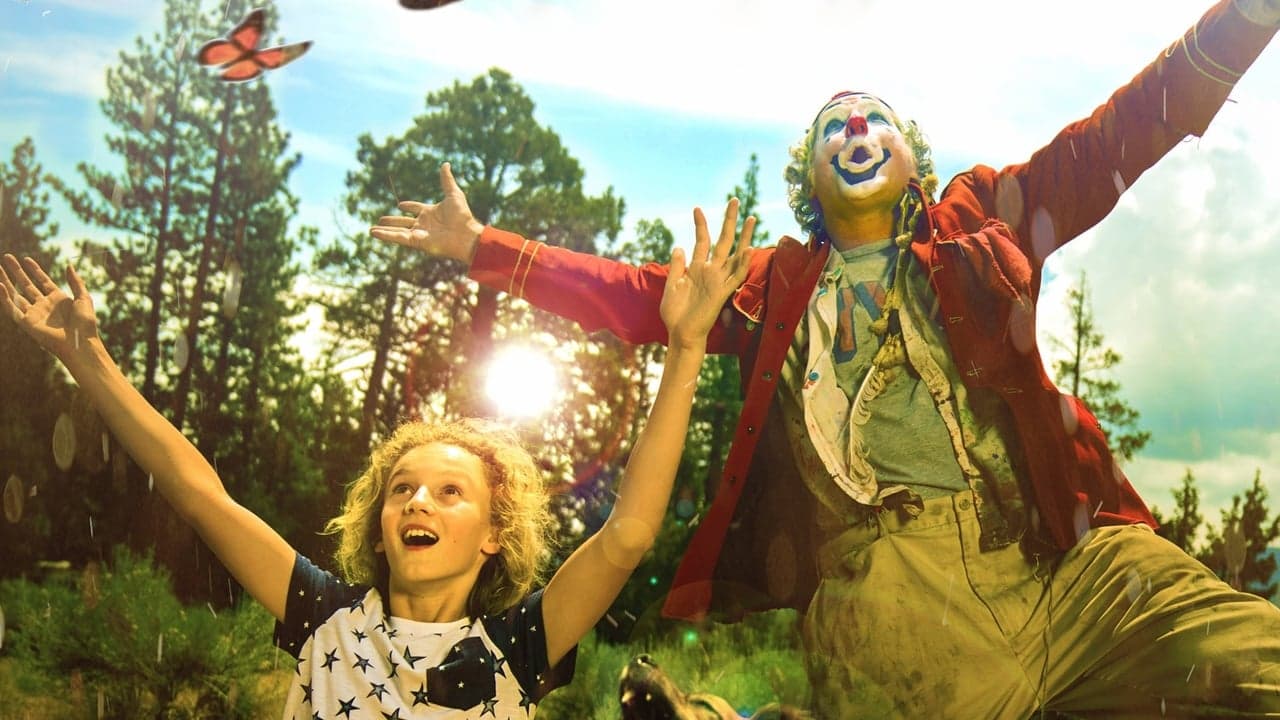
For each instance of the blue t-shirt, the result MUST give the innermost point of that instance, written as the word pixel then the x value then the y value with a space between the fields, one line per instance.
pixel 357 661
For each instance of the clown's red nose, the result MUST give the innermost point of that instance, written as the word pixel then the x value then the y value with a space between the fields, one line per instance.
pixel 857 125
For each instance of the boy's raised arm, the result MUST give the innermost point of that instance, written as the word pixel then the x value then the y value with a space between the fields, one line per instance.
pixel 584 587
pixel 66 326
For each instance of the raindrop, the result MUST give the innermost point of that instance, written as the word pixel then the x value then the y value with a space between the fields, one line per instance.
pixel 13 499
pixel 64 442
pixel 1189 672
pixel 1009 200
pixel 151 482
pixel 180 353
pixel 117 195
pixel 1117 473
pixel 148 112
pixel 159 648
pixel 106 448
pixel 181 49
pixel 32 491
pixel 91 526
pixel 102 703
pixel 231 294
pixel 1043 237
pixel 1070 416
pixel 1119 181
pixel 1 627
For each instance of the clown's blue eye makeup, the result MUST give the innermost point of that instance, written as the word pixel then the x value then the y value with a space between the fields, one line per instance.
pixel 877 117
pixel 833 126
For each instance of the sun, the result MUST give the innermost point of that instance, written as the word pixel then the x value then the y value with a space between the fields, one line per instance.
pixel 521 382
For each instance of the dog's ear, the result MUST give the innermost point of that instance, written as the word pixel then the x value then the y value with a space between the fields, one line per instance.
pixel 774 711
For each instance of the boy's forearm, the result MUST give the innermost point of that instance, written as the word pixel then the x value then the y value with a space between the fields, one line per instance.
pixel 645 489
pixel 181 473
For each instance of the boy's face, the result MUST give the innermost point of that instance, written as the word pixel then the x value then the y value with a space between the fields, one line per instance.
pixel 859 157
pixel 436 527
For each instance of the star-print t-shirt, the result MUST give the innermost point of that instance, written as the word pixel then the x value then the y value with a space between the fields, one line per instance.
pixel 357 661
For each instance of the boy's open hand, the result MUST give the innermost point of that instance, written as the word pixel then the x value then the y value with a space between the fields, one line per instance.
pixel 696 291
pixel 60 324
pixel 446 228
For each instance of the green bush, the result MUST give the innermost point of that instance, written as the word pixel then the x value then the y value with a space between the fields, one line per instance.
pixel 125 636
pixel 750 664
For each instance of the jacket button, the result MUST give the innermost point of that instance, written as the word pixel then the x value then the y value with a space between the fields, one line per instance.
pixel 780 326
pixel 768 375
pixel 751 429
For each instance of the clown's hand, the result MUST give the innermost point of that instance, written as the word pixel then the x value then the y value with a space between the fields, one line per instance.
pixel 696 292
pixel 1262 12
pixel 446 229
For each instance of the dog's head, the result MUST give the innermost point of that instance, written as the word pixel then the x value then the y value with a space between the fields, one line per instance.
pixel 647 693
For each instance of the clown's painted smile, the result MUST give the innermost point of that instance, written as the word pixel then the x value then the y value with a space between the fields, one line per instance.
pixel 853 178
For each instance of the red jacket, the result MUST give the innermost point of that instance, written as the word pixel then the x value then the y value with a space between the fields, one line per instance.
pixel 984 243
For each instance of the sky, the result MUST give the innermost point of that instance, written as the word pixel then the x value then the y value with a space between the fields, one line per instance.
pixel 666 101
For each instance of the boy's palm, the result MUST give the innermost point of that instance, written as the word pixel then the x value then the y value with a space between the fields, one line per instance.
pixel 696 291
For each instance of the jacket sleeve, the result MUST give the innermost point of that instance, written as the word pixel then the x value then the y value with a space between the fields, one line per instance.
pixel 595 292
pixel 1073 182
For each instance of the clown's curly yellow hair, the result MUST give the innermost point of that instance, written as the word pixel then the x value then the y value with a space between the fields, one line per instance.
pixel 799 175
pixel 518 510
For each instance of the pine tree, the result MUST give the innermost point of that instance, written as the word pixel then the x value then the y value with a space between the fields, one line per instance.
pixel 1086 373
pixel 1237 551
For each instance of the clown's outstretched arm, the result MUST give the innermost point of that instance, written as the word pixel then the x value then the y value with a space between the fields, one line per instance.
pixel 588 582
pixel 67 327
pixel 1075 180
pixel 595 292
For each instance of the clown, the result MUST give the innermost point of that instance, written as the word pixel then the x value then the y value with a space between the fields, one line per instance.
pixel 953 527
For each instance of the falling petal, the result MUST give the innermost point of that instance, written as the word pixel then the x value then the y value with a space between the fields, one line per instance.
pixel 64 442
pixel 180 353
pixel 148 112
pixel 1070 416
pixel 1022 325
pixel 1 627
pixel 1080 520
pixel 231 294
pixel 1009 200
pixel 1043 237
pixel 13 499
pixel 1133 586
pixel 90 591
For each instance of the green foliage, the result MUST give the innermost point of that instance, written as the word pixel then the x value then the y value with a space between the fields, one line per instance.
pixel 1183 526
pixel 1254 530
pixel 122 632
pixel 1085 373
pixel 750 663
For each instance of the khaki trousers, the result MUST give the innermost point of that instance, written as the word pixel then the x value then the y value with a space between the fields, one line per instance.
pixel 912 621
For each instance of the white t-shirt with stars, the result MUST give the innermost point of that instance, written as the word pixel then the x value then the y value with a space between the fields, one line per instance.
pixel 356 661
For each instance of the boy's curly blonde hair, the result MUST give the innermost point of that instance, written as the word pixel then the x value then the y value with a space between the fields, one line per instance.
pixel 799 174
pixel 518 511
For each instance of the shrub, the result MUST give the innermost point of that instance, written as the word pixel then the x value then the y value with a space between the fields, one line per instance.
pixel 122 634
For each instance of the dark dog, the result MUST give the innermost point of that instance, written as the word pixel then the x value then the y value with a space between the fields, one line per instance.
pixel 647 693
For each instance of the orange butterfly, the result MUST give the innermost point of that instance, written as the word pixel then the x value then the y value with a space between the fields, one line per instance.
pixel 238 54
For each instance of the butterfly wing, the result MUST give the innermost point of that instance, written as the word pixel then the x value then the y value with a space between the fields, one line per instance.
pixel 237 45
pixel 242 70
pixel 218 52
pixel 274 57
